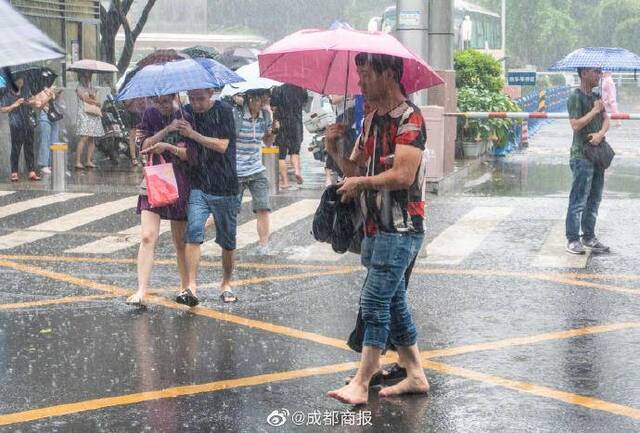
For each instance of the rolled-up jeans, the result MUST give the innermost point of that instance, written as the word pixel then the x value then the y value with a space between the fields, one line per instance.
pixel 584 200
pixel 49 133
pixel 385 312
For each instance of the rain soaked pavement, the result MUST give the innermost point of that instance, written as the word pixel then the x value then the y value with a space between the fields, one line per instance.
pixel 516 336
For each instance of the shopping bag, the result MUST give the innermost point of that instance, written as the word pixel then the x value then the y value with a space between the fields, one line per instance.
pixel 162 187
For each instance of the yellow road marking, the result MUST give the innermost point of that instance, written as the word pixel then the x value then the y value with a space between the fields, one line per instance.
pixel 64 278
pixel 300 276
pixel 178 391
pixel 538 390
pixel 532 339
pixel 58 301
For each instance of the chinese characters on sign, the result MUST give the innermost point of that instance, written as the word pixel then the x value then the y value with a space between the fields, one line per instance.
pixel 521 78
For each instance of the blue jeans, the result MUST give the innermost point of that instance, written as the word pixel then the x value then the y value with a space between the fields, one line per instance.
pixel 584 200
pixel 385 312
pixel 49 134
pixel 224 210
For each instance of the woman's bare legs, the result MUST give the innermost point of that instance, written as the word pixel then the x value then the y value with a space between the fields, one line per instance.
pixel 150 223
pixel 80 149
pixel 177 231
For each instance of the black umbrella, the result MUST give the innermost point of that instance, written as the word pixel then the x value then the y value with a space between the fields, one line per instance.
pixel 199 51
pixel 234 58
pixel 37 78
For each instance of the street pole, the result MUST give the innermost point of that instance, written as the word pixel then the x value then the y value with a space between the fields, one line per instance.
pixel 441 34
pixel 412 30
pixel 503 28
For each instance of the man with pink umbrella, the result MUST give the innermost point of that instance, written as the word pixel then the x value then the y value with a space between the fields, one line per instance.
pixel 385 174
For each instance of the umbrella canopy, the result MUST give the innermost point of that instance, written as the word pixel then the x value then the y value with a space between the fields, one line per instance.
pixel 199 51
pixel 158 57
pixel 178 76
pixel 92 65
pixel 235 58
pixel 37 77
pixel 609 59
pixel 252 81
pixel 324 60
pixel 21 42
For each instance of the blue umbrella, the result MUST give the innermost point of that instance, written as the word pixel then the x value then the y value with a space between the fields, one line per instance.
pixel 178 76
pixel 608 59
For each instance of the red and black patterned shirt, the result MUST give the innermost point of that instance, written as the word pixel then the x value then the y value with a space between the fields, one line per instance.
pixel 398 210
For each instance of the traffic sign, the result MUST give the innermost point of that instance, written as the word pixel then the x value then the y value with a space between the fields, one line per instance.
pixel 521 78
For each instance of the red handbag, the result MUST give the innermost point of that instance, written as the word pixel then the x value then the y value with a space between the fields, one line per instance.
pixel 162 187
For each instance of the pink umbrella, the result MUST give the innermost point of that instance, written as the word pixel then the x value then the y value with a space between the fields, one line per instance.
pixel 324 60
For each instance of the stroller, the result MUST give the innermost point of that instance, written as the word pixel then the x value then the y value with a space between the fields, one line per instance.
pixel 115 141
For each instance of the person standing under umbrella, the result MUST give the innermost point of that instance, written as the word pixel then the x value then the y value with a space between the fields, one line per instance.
pixel 22 123
pixel 89 124
pixel 589 124
pixel 391 198
pixel 609 95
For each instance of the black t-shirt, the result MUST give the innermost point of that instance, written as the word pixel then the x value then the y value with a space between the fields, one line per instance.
pixel 18 118
pixel 214 172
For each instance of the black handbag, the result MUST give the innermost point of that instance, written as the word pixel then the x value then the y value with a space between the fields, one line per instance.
pixel 600 155
pixel 52 114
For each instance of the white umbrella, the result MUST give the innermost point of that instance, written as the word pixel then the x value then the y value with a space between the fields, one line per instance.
pixel 21 42
pixel 253 81
pixel 92 65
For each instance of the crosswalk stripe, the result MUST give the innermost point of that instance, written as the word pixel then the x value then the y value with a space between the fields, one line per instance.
pixel 315 252
pixel 553 253
pixel 66 223
pixel 247 233
pixel 5 193
pixel 22 206
pixel 458 241
pixel 121 240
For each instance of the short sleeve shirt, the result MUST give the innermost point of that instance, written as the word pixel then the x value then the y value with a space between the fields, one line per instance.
pixel 398 210
pixel 18 118
pixel 579 104
pixel 213 172
pixel 250 133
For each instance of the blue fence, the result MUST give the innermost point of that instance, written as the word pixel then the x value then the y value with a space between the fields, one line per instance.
pixel 555 100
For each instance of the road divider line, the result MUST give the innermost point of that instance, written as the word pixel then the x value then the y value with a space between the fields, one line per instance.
pixel 537 390
pixel 57 301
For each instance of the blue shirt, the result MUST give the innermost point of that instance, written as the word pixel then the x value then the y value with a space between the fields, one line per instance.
pixel 249 135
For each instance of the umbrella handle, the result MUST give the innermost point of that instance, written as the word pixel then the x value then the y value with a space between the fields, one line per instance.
pixel 10 81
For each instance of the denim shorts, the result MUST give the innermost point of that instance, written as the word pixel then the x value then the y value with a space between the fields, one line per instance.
pixel 224 210
pixel 385 312
pixel 258 185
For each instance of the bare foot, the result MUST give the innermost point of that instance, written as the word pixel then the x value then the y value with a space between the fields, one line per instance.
pixel 353 393
pixel 299 178
pixel 135 299
pixel 410 385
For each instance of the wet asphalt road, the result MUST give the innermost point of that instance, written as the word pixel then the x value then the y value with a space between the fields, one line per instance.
pixel 514 337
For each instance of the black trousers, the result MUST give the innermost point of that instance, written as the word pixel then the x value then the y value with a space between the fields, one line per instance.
pixel 22 137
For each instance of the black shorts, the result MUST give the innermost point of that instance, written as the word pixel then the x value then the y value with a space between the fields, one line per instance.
pixel 289 139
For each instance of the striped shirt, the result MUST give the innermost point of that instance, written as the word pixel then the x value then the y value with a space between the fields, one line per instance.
pixel 249 135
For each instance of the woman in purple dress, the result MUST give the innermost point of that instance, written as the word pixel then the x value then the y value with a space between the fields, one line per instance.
pixel 157 134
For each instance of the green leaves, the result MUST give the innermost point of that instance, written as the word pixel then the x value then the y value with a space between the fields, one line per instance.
pixel 477 69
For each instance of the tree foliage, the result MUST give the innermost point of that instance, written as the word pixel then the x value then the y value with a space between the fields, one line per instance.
pixel 115 18
pixel 478 70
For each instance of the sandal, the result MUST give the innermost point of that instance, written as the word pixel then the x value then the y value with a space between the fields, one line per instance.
pixel 388 376
pixel 34 177
pixel 186 297
pixel 299 179
pixel 135 300
pixel 228 297
pixel 79 167
pixel 90 165
pixel 15 177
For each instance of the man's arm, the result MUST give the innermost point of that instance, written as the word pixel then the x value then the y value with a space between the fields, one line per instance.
pixel 596 138
pixel 400 176
pixel 216 144
pixel 579 123
pixel 347 166
pixel 10 108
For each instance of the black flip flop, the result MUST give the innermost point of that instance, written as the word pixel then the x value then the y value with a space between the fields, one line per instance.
pixel 186 297
pixel 228 297
pixel 394 374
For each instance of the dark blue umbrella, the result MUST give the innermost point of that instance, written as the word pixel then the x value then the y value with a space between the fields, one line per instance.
pixel 178 76
pixel 21 42
pixel 608 59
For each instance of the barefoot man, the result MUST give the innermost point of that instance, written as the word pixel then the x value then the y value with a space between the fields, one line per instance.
pixel 383 174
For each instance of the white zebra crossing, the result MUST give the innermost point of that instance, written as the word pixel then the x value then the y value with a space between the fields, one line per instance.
pixel 5 193
pixel 247 233
pixel 122 240
pixel 34 203
pixel 460 240
pixel 66 223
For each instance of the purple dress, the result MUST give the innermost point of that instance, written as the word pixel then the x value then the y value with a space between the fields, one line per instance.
pixel 152 122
